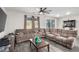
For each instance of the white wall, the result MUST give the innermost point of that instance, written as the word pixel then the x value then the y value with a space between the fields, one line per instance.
pixel 60 22
pixel 15 20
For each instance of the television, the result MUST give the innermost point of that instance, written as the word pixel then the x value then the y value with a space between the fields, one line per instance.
pixel 2 20
pixel 70 23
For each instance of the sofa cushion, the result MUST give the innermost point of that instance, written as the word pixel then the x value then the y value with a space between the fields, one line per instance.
pixel 64 33
pixel 51 36
pixel 60 38
pixel 21 34
pixel 56 34
pixel 47 32
pixel 70 40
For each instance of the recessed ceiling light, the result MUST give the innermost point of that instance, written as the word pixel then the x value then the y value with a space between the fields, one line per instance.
pixel 68 13
pixel 41 13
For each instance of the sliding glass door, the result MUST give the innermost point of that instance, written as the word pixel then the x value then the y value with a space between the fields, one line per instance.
pixel 50 24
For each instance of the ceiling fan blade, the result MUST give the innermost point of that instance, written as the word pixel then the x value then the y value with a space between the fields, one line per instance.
pixel 40 10
pixel 46 12
pixel 44 9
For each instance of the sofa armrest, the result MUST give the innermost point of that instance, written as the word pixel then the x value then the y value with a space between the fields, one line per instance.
pixel 72 41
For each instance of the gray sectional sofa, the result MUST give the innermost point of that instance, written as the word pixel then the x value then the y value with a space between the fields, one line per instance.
pixel 63 37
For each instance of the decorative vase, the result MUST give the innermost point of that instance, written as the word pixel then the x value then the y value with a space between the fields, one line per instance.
pixel 37 40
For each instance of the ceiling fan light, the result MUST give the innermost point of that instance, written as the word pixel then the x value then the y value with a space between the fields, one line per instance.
pixel 41 13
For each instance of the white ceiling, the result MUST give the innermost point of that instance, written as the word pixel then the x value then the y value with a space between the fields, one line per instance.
pixel 56 11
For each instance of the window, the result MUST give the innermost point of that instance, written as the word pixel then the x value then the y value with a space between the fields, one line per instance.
pixel 29 24
pixel 36 24
pixel 50 23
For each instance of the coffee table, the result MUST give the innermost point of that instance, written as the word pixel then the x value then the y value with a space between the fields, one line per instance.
pixel 41 45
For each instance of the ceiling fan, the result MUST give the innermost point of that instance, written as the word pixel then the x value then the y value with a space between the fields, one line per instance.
pixel 44 11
